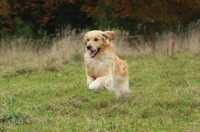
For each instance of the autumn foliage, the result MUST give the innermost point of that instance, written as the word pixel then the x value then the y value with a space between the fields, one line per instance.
pixel 145 10
pixel 49 15
pixel 34 14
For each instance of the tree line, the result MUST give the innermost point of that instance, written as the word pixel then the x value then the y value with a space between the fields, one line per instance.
pixel 34 18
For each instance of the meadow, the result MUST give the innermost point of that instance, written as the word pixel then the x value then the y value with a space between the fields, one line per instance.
pixel 45 89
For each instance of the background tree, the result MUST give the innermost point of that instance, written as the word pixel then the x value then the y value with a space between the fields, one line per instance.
pixel 7 16
pixel 130 14
pixel 41 16
pixel 34 18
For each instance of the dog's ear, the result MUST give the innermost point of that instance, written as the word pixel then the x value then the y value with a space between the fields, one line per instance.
pixel 109 35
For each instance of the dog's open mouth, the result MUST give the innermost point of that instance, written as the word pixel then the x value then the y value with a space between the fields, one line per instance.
pixel 93 53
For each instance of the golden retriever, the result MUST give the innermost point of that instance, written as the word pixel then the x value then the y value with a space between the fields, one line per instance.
pixel 103 67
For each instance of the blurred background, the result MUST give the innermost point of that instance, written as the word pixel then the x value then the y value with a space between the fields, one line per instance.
pixel 36 18
pixel 48 34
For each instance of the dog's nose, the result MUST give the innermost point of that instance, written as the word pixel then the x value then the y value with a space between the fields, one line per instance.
pixel 89 47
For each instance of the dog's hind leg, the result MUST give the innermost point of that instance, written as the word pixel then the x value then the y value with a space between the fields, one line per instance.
pixel 127 86
pixel 122 88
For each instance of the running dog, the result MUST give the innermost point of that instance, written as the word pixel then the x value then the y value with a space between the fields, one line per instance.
pixel 103 67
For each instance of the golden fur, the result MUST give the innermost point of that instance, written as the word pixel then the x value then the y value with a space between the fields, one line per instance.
pixel 103 67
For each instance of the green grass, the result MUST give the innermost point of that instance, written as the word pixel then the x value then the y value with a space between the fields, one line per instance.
pixel 165 97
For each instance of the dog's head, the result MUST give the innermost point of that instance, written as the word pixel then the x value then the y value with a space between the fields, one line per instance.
pixel 96 40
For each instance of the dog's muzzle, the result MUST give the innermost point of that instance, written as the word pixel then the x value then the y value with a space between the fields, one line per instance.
pixel 92 53
pixel 89 47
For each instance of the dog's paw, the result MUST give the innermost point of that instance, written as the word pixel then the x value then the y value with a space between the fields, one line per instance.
pixel 94 86
pixel 89 80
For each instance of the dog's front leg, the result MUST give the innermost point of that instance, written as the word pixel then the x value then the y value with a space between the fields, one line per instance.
pixel 89 80
pixel 100 82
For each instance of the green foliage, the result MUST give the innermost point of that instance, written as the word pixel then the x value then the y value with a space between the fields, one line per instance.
pixel 164 97
pixel 28 29
pixel 107 21
pixel 41 31
pixel 24 30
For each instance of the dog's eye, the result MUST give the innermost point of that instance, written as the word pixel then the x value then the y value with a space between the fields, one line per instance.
pixel 96 39
pixel 88 39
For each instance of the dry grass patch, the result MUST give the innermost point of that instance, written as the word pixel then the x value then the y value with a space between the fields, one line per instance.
pixel 21 53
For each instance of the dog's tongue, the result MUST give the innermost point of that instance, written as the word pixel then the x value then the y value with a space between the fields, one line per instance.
pixel 92 53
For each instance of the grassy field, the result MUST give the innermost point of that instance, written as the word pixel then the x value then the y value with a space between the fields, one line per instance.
pixel 165 97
